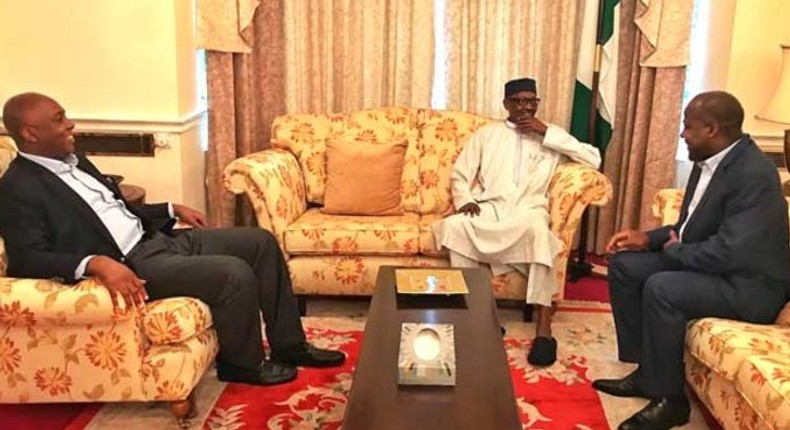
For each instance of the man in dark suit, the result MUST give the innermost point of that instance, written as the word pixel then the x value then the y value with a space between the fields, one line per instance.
pixel 726 257
pixel 61 218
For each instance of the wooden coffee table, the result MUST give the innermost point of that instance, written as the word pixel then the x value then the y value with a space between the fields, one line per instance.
pixel 483 395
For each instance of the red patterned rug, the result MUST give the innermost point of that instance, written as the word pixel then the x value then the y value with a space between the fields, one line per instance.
pixel 316 400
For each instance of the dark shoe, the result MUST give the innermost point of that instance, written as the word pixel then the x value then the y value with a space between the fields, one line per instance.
pixel 660 414
pixel 543 351
pixel 267 373
pixel 308 355
pixel 624 387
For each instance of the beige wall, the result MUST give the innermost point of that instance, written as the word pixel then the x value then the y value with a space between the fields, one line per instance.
pixel 115 66
pixel 744 57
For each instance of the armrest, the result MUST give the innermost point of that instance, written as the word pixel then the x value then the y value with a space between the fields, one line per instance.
pixel 51 303
pixel 666 205
pixel 274 184
pixel 573 187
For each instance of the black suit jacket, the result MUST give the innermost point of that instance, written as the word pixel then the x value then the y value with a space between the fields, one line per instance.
pixel 739 230
pixel 49 229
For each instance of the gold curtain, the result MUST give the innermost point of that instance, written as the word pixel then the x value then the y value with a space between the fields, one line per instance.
pixel 246 92
pixel 345 55
pixel 491 42
pixel 641 157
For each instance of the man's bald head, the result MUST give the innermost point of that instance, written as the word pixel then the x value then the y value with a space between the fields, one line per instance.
pixel 720 108
pixel 39 125
pixel 17 110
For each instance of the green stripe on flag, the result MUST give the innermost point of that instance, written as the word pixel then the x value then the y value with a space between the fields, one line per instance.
pixel 608 20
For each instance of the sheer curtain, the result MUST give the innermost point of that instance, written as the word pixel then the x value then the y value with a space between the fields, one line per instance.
pixel 344 55
pixel 493 41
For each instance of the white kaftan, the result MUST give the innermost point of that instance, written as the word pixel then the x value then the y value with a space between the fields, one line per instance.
pixel 513 171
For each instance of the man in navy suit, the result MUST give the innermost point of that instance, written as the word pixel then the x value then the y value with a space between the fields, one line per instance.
pixel 726 257
pixel 61 218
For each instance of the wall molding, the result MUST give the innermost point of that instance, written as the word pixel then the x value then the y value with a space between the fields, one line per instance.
pixel 178 126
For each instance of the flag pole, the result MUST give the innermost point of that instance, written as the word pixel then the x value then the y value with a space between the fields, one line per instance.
pixel 581 268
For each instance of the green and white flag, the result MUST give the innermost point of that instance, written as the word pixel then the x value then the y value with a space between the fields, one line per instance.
pixel 607 84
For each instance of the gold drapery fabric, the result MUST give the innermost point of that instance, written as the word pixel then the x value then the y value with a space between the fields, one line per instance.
pixel 345 55
pixel 246 92
pixel 491 42
pixel 641 156
pixel 225 25
pixel 666 29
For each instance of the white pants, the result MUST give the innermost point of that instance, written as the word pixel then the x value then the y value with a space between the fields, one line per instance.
pixel 541 284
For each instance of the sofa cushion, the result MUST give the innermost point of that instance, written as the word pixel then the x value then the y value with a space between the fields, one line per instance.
pixel 363 178
pixel 318 233
pixel 442 136
pixel 764 381
pixel 427 240
pixel 175 319
pixel 723 345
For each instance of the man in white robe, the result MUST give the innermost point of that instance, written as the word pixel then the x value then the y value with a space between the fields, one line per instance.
pixel 500 184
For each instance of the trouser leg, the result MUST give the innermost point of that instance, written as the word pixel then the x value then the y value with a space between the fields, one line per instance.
pixel 628 272
pixel 259 249
pixel 669 301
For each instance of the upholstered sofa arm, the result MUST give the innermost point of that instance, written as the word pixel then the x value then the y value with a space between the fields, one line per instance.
pixel 274 184
pixel 45 302
pixel 573 187
pixel 666 205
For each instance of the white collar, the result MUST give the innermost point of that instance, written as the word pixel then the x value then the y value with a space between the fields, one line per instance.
pixel 52 164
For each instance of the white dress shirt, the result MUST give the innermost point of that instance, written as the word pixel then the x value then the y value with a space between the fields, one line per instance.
pixel 707 169
pixel 125 227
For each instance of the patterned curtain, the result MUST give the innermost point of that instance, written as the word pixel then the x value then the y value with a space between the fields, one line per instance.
pixel 491 42
pixel 654 39
pixel 345 55
pixel 246 93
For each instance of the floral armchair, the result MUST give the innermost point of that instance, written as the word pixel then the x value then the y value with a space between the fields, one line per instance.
pixel 740 371
pixel 340 255
pixel 66 343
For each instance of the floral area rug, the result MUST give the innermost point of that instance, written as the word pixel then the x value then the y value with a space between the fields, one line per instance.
pixel 557 397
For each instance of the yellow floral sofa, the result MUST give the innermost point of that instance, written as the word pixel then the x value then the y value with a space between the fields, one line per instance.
pixel 740 371
pixel 66 343
pixel 340 255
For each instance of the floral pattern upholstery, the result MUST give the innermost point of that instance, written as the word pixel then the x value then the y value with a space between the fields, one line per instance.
pixel 340 254
pixel 66 343
pixel 741 371
pixel 317 233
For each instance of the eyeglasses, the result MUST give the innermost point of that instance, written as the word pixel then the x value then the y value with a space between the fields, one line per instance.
pixel 528 101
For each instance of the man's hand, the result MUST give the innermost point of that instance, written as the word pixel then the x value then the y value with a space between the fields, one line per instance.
pixel 531 124
pixel 189 216
pixel 673 240
pixel 628 240
pixel 470 209
pixel 119 279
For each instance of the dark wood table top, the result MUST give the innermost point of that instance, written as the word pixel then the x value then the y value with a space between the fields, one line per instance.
pixel 483 395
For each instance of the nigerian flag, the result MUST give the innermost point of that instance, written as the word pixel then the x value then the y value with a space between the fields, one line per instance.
pixel 607 66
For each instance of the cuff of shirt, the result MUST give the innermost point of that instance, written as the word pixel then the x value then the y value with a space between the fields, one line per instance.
pixel 79 272
pixel 170 210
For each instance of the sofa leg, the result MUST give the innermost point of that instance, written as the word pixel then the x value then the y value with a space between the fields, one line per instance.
pixel 183 411
pixel 301 304
pixel 527 311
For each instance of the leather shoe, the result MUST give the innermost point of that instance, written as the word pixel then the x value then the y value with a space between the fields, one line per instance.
pixel 624 387
pixel 267 373
pixel 308 355
pixel 660 414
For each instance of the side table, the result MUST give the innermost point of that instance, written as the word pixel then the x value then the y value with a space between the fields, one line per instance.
pixel 133 194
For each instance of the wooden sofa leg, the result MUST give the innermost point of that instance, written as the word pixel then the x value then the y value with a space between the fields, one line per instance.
pixel 527 311
pixel 183 410
pixel 301 304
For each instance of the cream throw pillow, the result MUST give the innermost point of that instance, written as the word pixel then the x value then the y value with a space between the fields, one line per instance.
pixel 363 178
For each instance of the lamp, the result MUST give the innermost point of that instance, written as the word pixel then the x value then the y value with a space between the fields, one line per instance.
pixel 778 107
